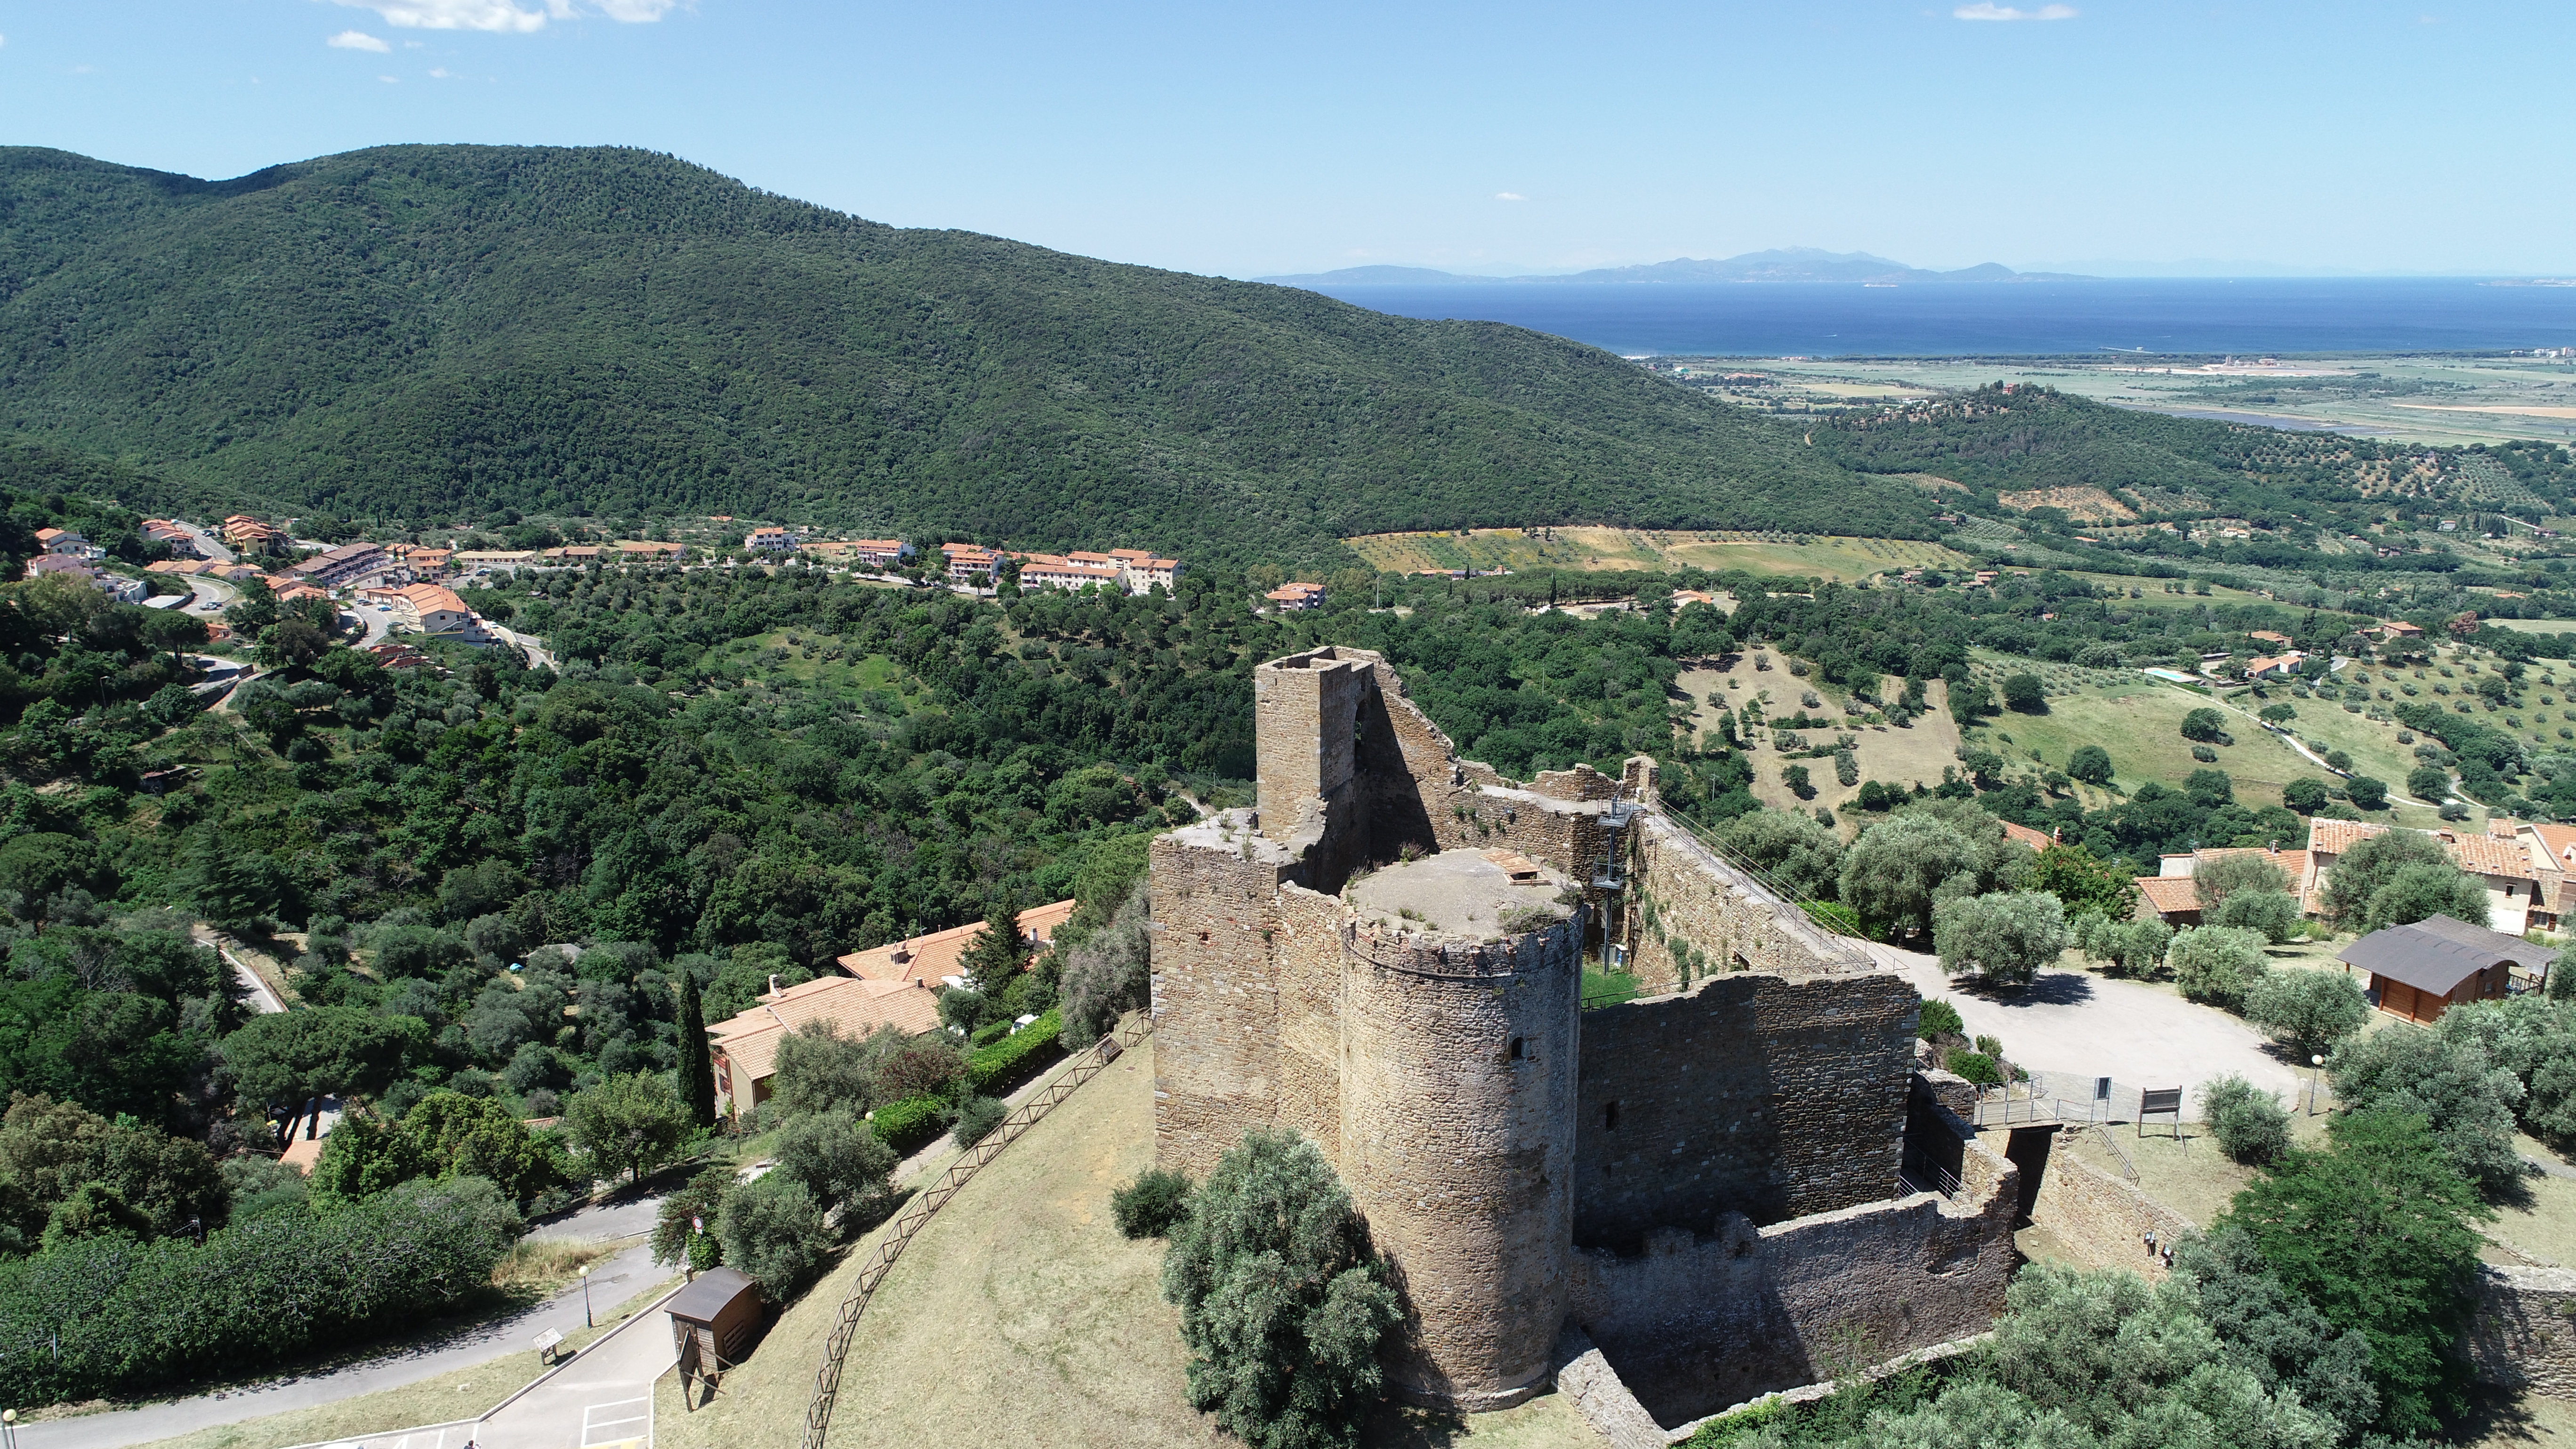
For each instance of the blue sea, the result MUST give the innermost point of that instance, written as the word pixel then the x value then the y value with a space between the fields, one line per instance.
pixel 1772 319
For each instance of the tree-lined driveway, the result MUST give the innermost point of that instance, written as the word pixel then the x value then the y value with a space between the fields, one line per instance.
pixel 2086 1026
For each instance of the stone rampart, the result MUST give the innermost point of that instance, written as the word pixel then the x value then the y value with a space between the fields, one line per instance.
pixel 2100 1220
pixel 1686 895
pixel 2524 1333
pixel 1750 1093
pixel 1696 1323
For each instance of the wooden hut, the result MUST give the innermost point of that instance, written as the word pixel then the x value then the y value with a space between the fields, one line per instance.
pixel 712 1321
pixel 2422 970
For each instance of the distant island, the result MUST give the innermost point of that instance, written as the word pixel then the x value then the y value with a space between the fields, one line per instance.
pixel 1784 264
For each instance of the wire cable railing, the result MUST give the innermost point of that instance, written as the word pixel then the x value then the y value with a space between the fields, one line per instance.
pixel 918 1213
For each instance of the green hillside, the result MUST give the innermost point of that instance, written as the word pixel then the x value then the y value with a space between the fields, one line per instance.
pixel 427 332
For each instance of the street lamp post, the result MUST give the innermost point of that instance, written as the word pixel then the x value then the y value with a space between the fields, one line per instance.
pixel 585 1297
pixel 2316 1066
pixel 9 1428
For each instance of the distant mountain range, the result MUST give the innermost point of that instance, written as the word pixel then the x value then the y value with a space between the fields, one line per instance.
pixel 1785 264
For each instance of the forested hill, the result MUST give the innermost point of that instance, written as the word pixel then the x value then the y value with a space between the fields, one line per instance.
pixel 426 331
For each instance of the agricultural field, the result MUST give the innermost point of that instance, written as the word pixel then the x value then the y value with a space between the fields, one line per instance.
pixel 1884 753
pixel 2441 400
pixel 2139 721
pixel 1780 555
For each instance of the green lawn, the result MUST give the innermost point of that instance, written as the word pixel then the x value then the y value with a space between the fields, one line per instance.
pixel 2140 725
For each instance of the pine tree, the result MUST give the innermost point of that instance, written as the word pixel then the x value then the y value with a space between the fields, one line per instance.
pixel 697 1068
pixel 992 959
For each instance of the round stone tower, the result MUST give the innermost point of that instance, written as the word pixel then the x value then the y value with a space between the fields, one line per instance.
pixel 1457 1116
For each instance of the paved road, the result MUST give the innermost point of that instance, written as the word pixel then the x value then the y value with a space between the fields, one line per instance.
pixel 613 1281
pixel 208 542
pixel 2086 1026
pixel 604 1399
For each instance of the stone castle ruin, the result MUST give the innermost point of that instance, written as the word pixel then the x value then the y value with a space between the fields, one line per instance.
pixel 1672 1204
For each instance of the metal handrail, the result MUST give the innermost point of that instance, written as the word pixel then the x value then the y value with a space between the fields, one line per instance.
pixel 1708 840
pixel 827 1380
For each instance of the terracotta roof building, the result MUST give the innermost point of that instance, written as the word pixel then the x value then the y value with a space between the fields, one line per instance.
pixel 1290 597
pixel 745 1048
pixel 932 959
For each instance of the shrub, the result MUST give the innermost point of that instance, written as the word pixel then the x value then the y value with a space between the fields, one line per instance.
pixel 772 1229
pixel 1940 1018
pixel 676 1235
pixel 1976 1067
pixel 998 1068
pixel 1282 1305
pixel 2249 1123
pixel 2312 1011
pixel 911 1124
pixel 2216 965
pixel 1149 1206
pixel 2203 724
pixel 114 1314
pixel 976 1117
pixel 2090 764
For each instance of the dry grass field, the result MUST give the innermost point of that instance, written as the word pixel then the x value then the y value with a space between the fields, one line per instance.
pixel 1020 1316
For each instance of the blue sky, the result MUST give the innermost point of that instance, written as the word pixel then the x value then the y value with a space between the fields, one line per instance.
pixel 2354 136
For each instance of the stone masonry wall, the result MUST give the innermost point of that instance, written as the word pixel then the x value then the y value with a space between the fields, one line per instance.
pixel 1735 921
pixel 1751 1094
pixel 1216 1075
pixel 2524 1336
pixel 1696 1323
pixel 2102 1221
pixel 1457 1142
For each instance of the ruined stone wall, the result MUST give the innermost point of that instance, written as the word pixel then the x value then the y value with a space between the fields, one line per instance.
pixel 1216 1073
pixel 1457 1144
pixel 2523 1336
pixel 1751 1094
pixel 1734 920
pixel 1695 1323
pixel 1311 965
pixel 2100 1220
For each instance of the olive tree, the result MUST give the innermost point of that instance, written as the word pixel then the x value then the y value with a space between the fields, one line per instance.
pixel 2216 965
pixel 1282 1303
pixel 1803 856
pixel 2311 1011
pixel 1890 873
pixel 2005 937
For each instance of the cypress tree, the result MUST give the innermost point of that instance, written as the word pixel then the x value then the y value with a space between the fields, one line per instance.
pixel 697 1069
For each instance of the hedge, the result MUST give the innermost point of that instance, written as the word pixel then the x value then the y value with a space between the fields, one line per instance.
pixel 107 1315
pixel 911 1124
pixel 1015 1058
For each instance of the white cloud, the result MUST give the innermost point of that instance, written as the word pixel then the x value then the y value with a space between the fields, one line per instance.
pixel 506 15
pixel 357 40
pixel 441 73
pixel 1988 10
pixel 1509 196
pixel 389 80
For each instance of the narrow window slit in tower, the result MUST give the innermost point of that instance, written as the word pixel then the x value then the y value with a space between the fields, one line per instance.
pixel 1516 1048
pixel 1610 1117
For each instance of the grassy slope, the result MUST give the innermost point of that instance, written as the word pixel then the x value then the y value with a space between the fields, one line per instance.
pixel 1020 1316
pixel 421 331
